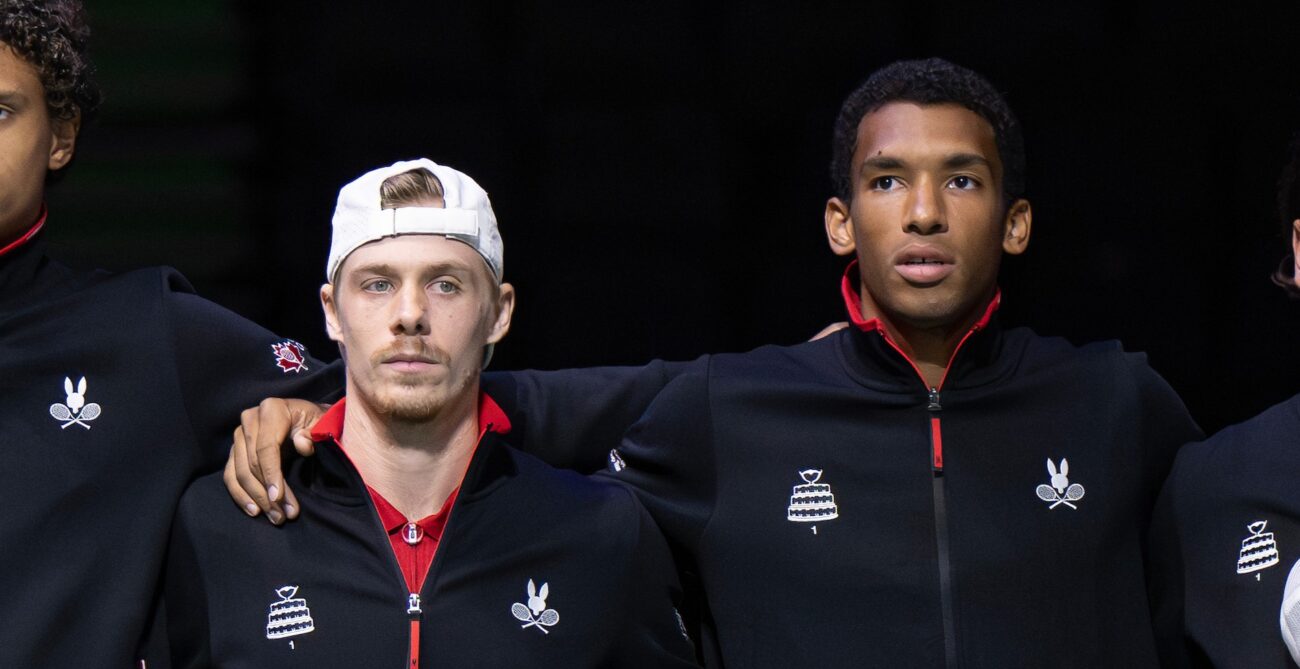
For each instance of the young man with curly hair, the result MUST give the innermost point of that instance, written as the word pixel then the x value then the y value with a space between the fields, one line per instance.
pixel 925 487
pixel 1226 539
pixel 101 376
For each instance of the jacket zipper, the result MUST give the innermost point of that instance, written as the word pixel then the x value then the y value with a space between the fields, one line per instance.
pixel 414 612
pixel 934 406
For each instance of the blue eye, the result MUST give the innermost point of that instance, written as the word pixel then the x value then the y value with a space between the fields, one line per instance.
pixel 379 286
pixel 445 287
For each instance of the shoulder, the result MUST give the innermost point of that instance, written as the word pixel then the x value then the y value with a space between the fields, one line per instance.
pixel 568 498
pixel 1103 361
pixel 1258 447
pixel 206 515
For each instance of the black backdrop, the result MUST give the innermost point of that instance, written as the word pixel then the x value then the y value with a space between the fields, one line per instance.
pixel 659 169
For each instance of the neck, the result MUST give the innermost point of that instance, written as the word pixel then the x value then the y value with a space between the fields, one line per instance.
pixel 930 347
pixel 414 465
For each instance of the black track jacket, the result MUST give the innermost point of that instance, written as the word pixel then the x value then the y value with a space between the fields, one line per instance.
pixel 839 513
pixel 1225 539
pixel 114 390
pixel 243 593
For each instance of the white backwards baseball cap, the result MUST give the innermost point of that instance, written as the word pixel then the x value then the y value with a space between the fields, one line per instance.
pixel 467 216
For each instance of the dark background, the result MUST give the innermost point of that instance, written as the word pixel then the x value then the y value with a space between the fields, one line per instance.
pixel 659 169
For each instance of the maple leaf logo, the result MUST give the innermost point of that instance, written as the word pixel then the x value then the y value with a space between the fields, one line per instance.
pixel 290 356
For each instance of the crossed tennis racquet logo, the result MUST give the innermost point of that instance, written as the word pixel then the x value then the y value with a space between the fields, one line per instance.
pixel 1061 491
pixel 535 614
pixel 76 410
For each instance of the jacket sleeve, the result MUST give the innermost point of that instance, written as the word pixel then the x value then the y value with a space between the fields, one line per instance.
pixel 1164 422
pixel 226 363
pixel 667 459
pixel 1166 571
pixel 185 601
pixel 654 634
pixel 572 418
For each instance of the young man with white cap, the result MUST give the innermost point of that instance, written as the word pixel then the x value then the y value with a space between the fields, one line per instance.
pixel 424 535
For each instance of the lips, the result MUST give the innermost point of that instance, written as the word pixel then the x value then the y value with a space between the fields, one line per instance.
pixel 924 265
pixel 409 361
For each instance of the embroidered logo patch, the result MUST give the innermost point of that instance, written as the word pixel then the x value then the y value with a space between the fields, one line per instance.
pixel 290 356
pixel 289 616
pixel 535 613
pixel 811 501
pixel 1258 551
pixel 1061 491
pixel 75 410
pixel 616 461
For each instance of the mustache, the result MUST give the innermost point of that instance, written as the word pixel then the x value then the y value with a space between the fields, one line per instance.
pixel 414 349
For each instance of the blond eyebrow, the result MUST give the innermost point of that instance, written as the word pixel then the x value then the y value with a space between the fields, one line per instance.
pixel 386 269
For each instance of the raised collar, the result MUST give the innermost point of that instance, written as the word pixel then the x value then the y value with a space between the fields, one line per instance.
pixel 875 360
pixel 332 475
pixel 26 236
pixel 491 418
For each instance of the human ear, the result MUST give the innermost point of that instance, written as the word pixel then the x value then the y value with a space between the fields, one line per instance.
pixel 330 307
pixel 63 141
pixel 505 308
pixel 1295 249
pixel 839 227
pixel 1016 227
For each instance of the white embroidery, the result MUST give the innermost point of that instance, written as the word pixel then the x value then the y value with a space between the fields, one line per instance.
pixel 1061 491
pixel 535 614
pixel 289 616
pixel 616 461
pixel 1258 551
pixel 811 501
pixel 76 410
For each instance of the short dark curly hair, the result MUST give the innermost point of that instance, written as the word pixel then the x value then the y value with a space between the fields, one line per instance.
pixel 928 82
pixel 52 36
pixel 1288 210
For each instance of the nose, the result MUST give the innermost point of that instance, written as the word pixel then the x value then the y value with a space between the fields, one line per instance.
pixel 410 312
pixel 925 210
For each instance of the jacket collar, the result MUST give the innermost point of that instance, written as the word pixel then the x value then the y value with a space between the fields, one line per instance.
pixel 21 261
pixel 876 361
pixel 332 476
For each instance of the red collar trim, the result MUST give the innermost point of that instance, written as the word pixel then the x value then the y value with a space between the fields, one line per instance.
pixel 853 303
pixel 27 236
pixel 491 418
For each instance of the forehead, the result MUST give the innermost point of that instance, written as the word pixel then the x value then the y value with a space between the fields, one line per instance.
pixel 416 254
pixel 915 133
pixel 17 75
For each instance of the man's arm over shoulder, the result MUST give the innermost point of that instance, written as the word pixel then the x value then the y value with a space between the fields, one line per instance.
pixel 226 363
pixel 667 458
pixel 572 418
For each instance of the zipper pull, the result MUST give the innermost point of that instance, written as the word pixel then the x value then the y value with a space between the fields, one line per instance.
pixel 413 605
pixel 934 400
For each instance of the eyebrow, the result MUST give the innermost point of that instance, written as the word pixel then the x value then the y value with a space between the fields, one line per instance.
pixel 12 96
pixel 952 161
pixel 389 270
